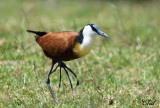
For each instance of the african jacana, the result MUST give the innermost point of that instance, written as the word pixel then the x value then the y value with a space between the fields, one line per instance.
pixel 66 46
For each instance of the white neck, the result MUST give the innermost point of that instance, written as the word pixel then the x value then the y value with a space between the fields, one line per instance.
pixel 88 38
pixel 86 41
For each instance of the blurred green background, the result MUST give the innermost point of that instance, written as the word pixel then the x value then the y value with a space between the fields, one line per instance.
pixel 121 71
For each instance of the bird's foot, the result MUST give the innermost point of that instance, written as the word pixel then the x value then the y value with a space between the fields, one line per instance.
pixel 63 65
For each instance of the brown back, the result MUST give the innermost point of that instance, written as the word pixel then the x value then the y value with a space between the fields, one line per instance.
pixel 58 45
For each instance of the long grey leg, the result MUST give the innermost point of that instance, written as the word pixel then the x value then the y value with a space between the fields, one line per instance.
pixel 48 83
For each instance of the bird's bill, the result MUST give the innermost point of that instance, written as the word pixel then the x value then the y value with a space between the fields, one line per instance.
pixel 100 32
pixel 103 34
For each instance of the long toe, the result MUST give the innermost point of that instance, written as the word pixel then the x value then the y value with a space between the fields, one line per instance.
pixel 77 83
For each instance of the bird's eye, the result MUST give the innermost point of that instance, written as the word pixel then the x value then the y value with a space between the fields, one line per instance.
pixel 94 29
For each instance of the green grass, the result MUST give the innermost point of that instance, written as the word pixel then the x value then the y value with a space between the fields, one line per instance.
pixel 119 72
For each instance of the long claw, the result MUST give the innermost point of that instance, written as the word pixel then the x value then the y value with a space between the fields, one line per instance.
pixel 69 78
pixel 74 75
pixel 60 78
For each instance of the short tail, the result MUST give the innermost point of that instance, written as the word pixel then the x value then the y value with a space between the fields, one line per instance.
pixel 37 32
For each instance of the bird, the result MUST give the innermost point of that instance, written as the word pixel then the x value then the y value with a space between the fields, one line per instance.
pixel 66 46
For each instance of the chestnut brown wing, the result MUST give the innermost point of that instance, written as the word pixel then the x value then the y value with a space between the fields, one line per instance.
pixel 57 44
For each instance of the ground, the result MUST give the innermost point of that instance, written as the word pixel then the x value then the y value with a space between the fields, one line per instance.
pixel 121 71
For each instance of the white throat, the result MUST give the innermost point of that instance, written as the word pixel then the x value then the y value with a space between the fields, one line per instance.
pixel 86 41
pixel 88 38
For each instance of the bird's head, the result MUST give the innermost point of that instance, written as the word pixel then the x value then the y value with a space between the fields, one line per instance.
pixel 93 30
